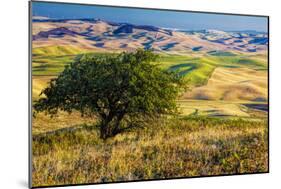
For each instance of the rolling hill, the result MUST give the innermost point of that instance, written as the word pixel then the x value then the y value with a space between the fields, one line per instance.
pixel 100 35
pixel 224 69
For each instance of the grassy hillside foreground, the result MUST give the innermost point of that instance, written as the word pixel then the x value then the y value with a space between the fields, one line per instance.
pixel 175 147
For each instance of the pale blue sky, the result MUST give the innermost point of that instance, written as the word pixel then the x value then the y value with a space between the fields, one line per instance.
pixel 160 18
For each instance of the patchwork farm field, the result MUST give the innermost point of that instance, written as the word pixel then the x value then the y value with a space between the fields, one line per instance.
pixel 221 127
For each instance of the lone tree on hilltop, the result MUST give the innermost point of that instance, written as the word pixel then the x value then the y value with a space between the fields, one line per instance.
pixel 118 88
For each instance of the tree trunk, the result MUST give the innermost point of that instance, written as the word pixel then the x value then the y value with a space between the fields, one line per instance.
pixel 116 128
pixel 110 126
pixel 105 130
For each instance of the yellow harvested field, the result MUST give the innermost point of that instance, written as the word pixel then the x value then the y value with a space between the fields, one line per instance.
pixel 213 108
pixel 233 84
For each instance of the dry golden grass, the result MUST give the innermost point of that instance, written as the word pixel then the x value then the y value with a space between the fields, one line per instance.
pixel 175 147
pixel 38 84
pixel 43 123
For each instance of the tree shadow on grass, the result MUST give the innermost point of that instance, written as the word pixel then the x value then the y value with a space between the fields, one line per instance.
pixel 65 137
pixel 183 69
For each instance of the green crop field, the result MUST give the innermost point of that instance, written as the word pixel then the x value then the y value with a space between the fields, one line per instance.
pixel 48 62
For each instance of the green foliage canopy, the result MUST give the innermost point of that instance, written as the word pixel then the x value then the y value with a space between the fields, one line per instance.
pixel 118 88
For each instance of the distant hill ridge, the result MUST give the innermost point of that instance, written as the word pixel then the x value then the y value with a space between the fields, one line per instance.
pixel 101 35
